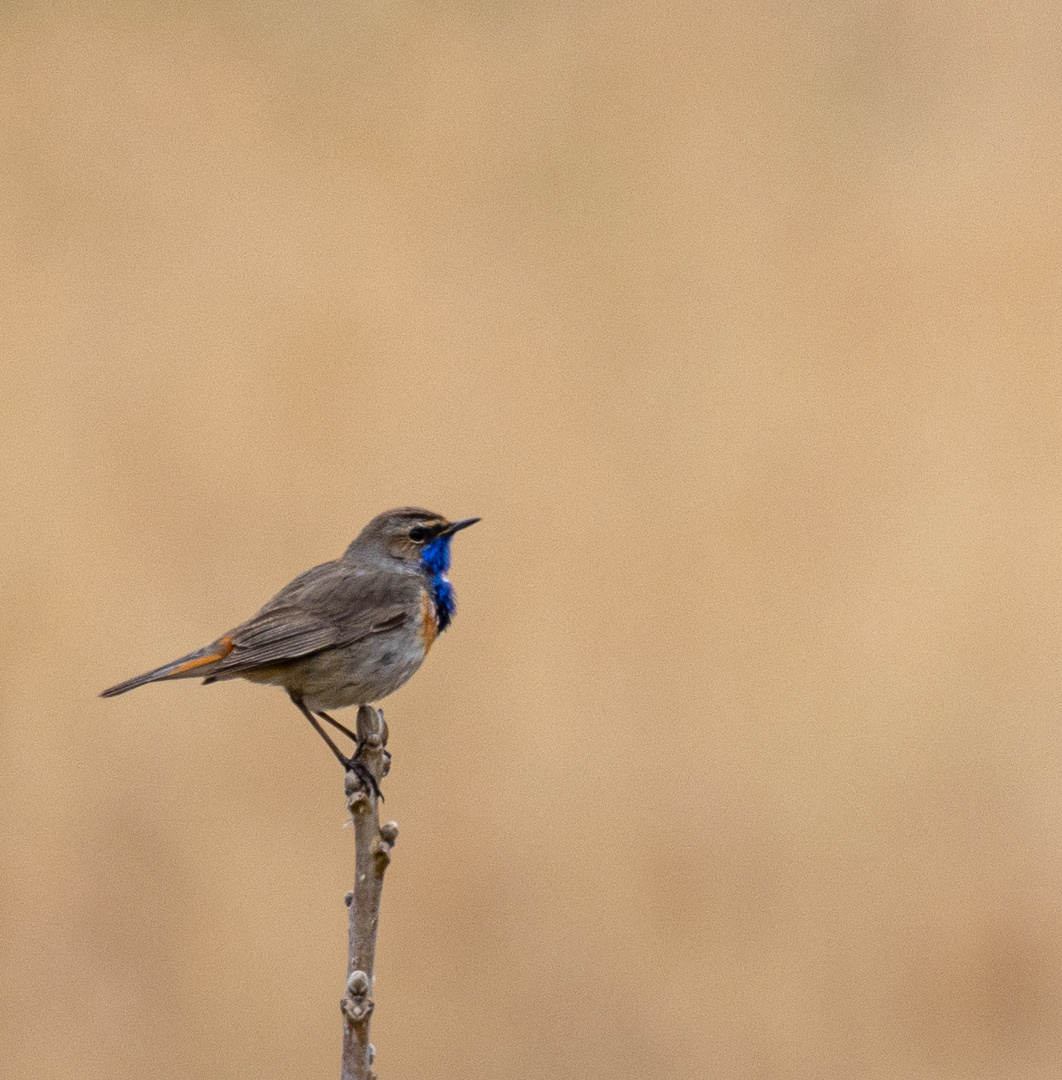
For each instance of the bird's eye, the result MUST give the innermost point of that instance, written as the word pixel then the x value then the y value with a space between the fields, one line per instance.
pixel 418 533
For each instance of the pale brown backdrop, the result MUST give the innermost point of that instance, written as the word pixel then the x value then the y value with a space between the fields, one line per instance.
pixel 740 326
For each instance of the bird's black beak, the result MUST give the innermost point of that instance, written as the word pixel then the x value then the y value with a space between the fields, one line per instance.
pixel 457 526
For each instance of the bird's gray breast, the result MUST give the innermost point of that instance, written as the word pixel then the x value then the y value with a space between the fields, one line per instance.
pixel 355 674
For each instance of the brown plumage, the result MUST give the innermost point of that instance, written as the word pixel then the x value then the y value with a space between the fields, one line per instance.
pixel 347 632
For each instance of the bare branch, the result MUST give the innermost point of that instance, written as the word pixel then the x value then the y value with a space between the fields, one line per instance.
pixel 372 853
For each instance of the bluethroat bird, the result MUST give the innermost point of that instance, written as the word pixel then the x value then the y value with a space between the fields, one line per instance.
pixel 347 632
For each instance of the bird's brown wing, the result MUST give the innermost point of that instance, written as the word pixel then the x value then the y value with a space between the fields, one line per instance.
pixel 326 607
pixel 288 633
pixel 333 604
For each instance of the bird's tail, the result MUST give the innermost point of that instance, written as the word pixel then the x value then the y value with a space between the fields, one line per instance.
pixel 187 667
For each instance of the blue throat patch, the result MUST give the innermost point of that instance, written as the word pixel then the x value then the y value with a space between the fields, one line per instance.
pixel 435 558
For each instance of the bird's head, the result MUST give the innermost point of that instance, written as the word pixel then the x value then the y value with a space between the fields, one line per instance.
pixel 410 535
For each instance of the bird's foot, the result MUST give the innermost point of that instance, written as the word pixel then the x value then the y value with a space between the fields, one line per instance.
pixel 364 774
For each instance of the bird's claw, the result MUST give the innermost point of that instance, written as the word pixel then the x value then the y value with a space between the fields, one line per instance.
pixel 364 774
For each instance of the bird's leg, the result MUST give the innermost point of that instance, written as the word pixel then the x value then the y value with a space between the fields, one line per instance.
pixel 317 727
pixel 339 727
pixel 359 744
pixel 349 763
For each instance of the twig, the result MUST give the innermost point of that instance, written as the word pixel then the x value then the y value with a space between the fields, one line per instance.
pixel 372 853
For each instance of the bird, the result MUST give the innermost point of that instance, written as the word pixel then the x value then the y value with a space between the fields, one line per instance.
pixel 347 632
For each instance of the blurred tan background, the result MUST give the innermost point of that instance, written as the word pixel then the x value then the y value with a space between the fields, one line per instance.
pixel 740 327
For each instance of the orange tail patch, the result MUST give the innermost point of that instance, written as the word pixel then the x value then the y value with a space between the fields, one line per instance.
pixel 226 647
